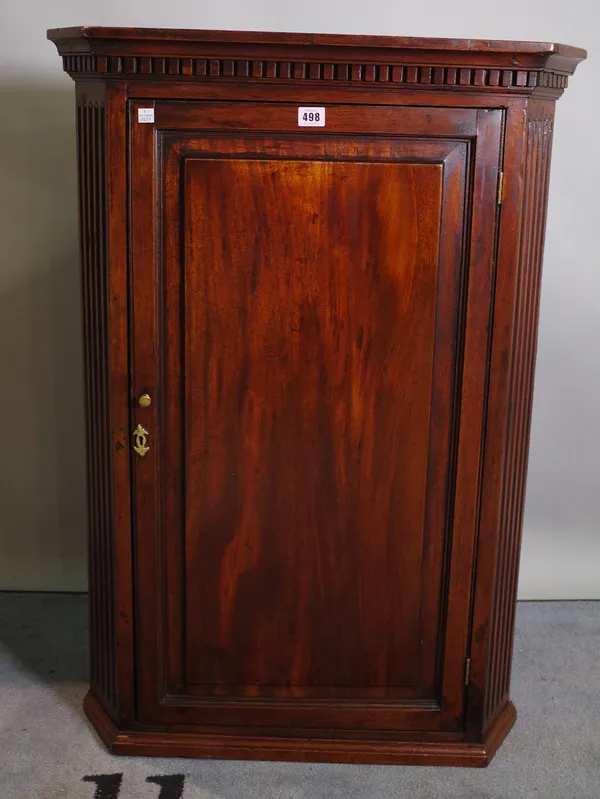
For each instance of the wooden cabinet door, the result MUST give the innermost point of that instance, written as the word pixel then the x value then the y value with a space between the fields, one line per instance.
pixel 310 311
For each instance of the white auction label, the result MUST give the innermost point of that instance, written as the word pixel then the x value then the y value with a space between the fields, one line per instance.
pixel 311 117
pixel 145 115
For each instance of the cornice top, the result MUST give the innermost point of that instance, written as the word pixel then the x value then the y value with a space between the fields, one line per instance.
pixel 517 67
pixel 316 39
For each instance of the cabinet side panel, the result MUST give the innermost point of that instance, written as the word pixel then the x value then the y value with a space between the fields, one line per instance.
pixel 537 167
pixel 91 148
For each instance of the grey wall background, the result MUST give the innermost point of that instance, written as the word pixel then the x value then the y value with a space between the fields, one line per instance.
pixel 42 518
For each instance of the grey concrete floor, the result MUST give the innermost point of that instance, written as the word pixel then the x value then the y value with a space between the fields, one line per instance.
pixel 47 747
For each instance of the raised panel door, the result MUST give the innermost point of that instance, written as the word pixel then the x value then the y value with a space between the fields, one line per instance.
pixel 300 319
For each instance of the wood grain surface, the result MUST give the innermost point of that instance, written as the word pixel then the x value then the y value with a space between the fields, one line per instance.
pixel 310 326
pixel 310 342
pixel 316 559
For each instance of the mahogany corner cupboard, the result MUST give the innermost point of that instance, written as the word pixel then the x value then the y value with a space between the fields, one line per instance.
pixel 311 273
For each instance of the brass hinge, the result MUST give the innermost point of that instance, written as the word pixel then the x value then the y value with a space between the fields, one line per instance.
pixel 467 670
pixel 500 188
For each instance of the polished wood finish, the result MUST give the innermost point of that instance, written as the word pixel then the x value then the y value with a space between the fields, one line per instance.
pixel 483 64
pixel 396 752
pixel 317 557
pixel 323 327
pixel 538 144
pixel 91 148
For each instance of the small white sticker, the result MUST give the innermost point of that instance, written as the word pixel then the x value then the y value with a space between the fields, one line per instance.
pixel 145 115
pixel 311 117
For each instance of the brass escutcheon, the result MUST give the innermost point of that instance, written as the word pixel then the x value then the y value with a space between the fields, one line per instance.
pixel 140 438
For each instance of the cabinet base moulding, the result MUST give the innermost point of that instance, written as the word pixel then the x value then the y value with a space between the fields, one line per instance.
pixel 255 747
